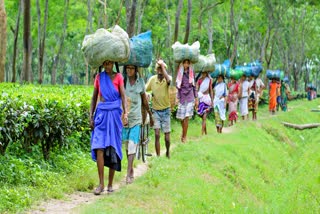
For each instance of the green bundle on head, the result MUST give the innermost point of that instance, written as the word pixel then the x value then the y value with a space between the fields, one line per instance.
pixel 236 74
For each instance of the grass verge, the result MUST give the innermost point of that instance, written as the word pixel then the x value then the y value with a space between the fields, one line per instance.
pixel 258 167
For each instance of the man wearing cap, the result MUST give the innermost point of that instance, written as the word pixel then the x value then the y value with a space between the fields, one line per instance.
pixel 159 85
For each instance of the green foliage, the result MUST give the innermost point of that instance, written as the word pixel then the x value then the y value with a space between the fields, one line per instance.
pixel 45 115
pixel 25 180
pixel 292 24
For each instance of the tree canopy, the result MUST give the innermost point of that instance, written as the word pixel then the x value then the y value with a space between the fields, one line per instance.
pixel 282 34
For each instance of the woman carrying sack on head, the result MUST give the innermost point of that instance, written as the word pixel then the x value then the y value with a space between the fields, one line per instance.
pixel 205 96
pixel 219 103
pixel 233 86
pixel 106 123
pixel 244 92
pixel 274 92
pixel 187 95
pixel 136 93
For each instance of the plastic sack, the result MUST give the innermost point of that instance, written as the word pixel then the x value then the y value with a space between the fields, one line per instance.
pixel 111 44
pixel 235 74
pixel 182 52
pixel 256 70
pixel 275 74
pixel 255 67
pixel 140 50
pixel 222 69
pixel 205 63
pixel 245 69
pixel 281 75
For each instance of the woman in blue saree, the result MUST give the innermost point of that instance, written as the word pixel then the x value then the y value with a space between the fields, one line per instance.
pixel 105 121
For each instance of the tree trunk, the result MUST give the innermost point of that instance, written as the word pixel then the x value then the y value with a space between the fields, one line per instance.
pixel 297 47
pixel 203 10
pixel 176 27
pixel 307 72
pixel 264 54
pixel 27 43
pixel 302 52
pixel 128 12
pixel 268 59
pixel 41 39
pixel 141 12
pixel 131 16
pixel 315 110
pixel 3 146
pixel 226 39
pixel 295 76
pixel 63 73
pixel 301 127
pixel 264 45
pixel 186 37
pixel 64 33
pixel 15 42
pixel 210 34
pixel 119 13
pixel 269 37
pixel 89 30
pixel 89 18
pixel 200 16
pixel 105 15
pixel 3 40
pixel 234 34
pixel 168 44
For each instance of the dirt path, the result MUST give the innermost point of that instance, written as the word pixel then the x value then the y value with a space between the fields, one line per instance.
pixel 54 206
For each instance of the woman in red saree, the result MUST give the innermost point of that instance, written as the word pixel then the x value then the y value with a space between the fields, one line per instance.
pixel 233 86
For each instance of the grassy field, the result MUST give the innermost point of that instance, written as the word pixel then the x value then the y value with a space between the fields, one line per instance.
pixel 257 167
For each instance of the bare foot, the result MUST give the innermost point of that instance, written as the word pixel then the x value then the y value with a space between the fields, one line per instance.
pixel 183 140
pixel 129 180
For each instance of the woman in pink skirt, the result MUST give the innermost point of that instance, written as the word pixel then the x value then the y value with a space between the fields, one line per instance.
pixel 233 86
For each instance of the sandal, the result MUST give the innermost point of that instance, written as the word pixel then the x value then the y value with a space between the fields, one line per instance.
pixel 98 190
pixel 110 190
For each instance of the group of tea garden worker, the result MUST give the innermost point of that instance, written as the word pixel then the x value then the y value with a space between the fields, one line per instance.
pixel 119 101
